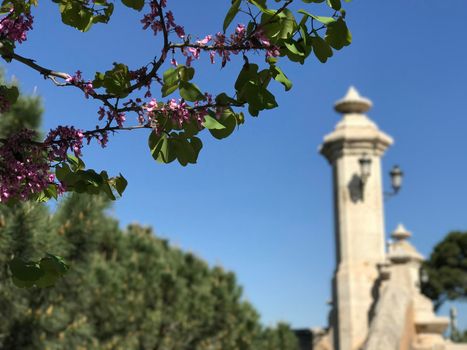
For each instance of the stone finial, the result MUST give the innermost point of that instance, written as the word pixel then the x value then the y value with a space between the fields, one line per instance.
pixel 353 103
pixel 400 233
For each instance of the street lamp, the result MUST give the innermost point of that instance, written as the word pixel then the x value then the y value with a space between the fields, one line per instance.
pixel 396 175
pixel 396 178
pixel 365 169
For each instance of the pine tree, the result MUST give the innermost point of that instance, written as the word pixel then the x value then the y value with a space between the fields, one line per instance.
pixel 24 232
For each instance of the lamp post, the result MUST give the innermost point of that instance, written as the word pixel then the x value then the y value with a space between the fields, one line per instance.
pixel 365 169
pixel 396 178
pixel 396 175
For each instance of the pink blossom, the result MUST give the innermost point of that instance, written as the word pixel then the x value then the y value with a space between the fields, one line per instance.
pixel 180 31
pixel 240 30
pixel 74 79
pixel 273 51
pixel 101 113
pixel 24 167
pixel 204 41
pixel 151 105
pixel 15 29
pixel 194 51
pixel 120 119
pixel 61 139
pixel 262 38
pixel 88 89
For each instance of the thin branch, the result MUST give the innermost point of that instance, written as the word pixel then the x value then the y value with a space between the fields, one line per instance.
pixel 165 51
pixel 42 70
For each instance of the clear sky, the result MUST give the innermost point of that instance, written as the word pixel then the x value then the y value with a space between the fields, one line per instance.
pixel 259 202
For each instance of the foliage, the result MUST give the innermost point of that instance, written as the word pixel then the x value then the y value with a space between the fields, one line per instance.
pixel 26 273
pixel 447 270
pixel 459 336
pixel 182 109
pixel 25 114
pixel 125 289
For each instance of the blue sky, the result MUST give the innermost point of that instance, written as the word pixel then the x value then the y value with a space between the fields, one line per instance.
pixel 259 202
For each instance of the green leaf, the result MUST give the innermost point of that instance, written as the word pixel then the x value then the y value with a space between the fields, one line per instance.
pixel 279 76
pixel 170 77
pixel 76 15
pixel 197 145
pixel 53 268
pixel 190 91
pixel 321 19
pixel 98 81
pixel 334 4
pixel 134 4
pixel 7 49
pixel 25 271
pixel 117 80
pixel 62 172
pixel 260 4
pixel 224 99
pixel 281 26
pixel 186 73
pixel 44 273
pixel 228 120
pixel 160 148
pixel 248 73
pixel 120 184
pixel 75 162
pixel 51 191
pixel 231 14
pixel 212 124
pixel 22 284
pixel 321 48
pixel 167 89
pixel 183 150
pixel 338 35
pixel 293 48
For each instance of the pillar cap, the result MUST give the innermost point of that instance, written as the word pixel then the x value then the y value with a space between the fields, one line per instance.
pixel 352 102
pixel 401 233
pixel 401 251
pixel 355 133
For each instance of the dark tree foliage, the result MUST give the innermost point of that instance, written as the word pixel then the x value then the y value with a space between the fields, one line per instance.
pixel 459 336
pixel 447 270
pixel 125 289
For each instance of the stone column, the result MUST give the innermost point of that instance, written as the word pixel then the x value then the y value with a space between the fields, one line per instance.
pixel 359 220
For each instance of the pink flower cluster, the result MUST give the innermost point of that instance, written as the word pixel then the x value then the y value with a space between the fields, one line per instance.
pixel 24 167
pixel 77 80
pixel 153 20
pixel 225 47
pixel 15 29
pixel 178 111
pixel 119 117
pixel 61 139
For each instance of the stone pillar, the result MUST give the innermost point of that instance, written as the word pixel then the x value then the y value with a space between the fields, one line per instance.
pixel 359 221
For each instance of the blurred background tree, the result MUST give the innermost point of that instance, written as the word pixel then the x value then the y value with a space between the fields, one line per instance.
pixel 446 270
pixel 446 275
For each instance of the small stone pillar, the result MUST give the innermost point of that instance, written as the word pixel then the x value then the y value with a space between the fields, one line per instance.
pixel 428 328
